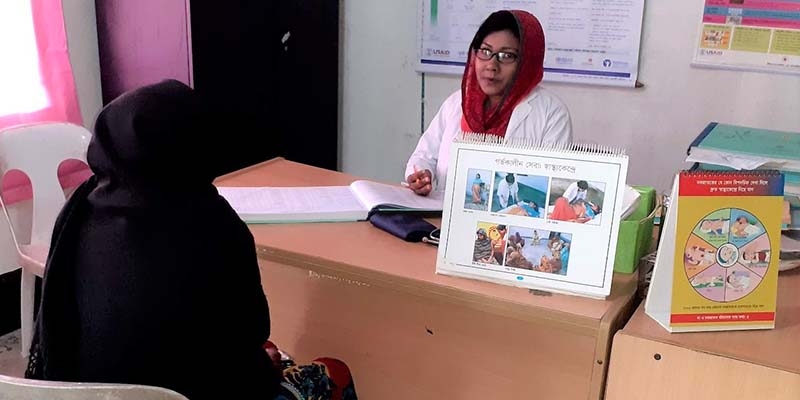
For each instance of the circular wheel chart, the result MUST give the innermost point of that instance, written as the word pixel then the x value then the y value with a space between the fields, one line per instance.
pixel 727 255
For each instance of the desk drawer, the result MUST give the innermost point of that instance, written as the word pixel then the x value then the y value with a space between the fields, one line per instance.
pixel 402 346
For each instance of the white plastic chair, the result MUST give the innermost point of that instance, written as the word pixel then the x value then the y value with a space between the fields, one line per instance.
pixel 37 150
pixel 8 250
pixel 28 389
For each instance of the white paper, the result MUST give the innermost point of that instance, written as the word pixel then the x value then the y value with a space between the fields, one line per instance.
pixel 373 194
pixel 630 201
pixel 731 160
pixel 323 203
pixel 259 203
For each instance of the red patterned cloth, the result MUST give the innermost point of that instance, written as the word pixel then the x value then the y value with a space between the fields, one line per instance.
pixel 562 211
pixel 324 378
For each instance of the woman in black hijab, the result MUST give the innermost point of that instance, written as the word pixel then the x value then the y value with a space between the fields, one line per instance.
pixel 152 278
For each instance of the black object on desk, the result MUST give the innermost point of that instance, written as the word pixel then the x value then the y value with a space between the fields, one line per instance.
pixel 410 227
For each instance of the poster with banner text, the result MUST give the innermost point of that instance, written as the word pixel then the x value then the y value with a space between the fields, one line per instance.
pixel 587 41
pixel 762 35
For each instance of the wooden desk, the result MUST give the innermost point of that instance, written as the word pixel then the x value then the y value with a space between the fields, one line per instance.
pixel 352 291
pixel 653 364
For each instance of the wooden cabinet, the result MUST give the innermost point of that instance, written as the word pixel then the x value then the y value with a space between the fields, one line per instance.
pixel 270 68
pixel 647 362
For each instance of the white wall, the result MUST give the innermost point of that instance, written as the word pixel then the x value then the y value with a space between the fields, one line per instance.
pixel 380 108
pixel 381 94
pixel 81 27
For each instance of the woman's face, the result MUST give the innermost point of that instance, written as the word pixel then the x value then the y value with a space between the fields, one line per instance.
pixel 493 76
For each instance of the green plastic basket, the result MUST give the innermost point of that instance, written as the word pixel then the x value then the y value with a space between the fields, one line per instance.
pixel 636 232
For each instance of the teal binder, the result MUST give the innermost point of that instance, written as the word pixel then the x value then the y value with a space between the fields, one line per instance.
pixel 749 141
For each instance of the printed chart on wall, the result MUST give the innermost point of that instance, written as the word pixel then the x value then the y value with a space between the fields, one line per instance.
pixel 587 41
pixel 750 34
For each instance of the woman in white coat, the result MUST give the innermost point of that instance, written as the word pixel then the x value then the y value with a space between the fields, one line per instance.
pixel 508 191
pixel 499 95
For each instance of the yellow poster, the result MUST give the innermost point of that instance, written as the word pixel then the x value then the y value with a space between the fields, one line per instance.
pixel 726 253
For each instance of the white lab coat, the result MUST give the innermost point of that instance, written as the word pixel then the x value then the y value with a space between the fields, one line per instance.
pixel 506 192
pixel 541 118
pixel 572 193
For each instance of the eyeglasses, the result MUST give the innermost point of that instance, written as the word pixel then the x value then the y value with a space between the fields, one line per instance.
pixel 503 57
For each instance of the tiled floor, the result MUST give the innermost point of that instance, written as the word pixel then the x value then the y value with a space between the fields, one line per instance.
pixel 11 362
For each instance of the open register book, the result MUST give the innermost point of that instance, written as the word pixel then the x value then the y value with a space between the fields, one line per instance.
pixel 535 217
pixel 325 203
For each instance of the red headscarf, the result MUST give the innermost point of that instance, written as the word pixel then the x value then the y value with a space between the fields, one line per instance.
pixel 529 73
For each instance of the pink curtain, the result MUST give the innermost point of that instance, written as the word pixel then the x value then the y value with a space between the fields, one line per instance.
pixel 56 77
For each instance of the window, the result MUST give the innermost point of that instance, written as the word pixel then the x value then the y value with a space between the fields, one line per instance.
pixel 23 91
pixel 36 82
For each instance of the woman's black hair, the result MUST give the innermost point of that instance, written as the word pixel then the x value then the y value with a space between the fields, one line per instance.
pixel 497 21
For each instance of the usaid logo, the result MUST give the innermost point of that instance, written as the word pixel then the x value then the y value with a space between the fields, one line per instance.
pixel 706 52
pixel 563 60
pixel 437 52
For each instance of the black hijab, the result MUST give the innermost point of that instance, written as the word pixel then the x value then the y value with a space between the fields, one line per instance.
pixel 152 278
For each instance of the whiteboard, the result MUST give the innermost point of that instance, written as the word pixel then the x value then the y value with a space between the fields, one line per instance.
pixel 587 41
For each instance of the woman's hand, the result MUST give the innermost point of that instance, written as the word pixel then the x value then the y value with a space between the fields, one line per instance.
pixel 420 182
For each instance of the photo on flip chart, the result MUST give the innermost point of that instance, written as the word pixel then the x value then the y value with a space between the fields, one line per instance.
pixel 576 200
pixel 490 243
pixel 476 196
pixel 538 250
pixel 519 194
